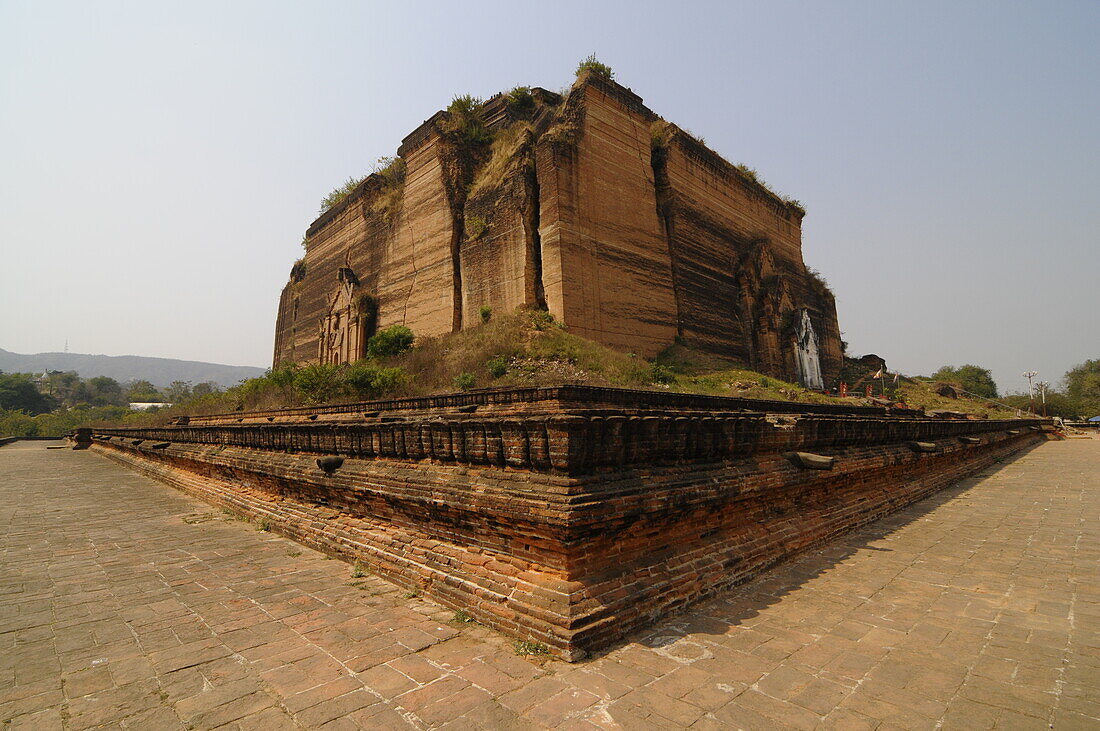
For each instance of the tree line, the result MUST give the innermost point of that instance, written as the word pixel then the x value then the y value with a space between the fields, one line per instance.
pixel 55 402
pixel 1076 396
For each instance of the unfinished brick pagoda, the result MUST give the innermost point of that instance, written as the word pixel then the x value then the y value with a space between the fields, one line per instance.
pixel 569 515
pixel 629 230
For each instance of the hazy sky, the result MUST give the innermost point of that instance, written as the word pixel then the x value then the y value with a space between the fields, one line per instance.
pixel 159 162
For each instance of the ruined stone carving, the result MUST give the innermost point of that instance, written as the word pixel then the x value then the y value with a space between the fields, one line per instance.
pixel 343 337
pixel 806 353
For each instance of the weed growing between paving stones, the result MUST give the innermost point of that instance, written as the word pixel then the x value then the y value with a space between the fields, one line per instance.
pixel 265 525
pixel 293 553
pixel 529 647
pixel 411 594
pixel 461 617
pixel 358 571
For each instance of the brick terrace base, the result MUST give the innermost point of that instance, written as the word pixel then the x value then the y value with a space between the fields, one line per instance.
pixel 568 516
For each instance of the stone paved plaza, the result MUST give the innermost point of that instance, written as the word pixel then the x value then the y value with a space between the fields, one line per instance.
pixel 126 604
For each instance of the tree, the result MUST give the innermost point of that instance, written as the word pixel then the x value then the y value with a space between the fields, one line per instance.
pixel 393 340
pixel 205 389
pixel 100 391
pixel 62 385
pixel 18 393
pixel 178 391
pixel 1057 403
pixel 975 379
pixel 593 64
pixel 142 392
pixel 1083 388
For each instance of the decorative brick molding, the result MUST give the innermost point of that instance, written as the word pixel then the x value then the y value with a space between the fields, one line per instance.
pixel 559 518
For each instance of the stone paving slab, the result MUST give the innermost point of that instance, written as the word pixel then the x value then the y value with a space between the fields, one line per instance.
pixel 126 604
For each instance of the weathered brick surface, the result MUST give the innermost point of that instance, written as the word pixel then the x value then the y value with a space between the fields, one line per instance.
pixel 629 237
pixel 124 604
pixel 568 525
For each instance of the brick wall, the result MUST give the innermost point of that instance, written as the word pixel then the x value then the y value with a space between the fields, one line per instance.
pixel 564 519
pixel 628 238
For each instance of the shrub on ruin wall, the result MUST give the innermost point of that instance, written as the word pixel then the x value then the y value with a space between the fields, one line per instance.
pixel 520 100
pixel 340 193
pixel 464 122
pixel 818 284
pixel 593 65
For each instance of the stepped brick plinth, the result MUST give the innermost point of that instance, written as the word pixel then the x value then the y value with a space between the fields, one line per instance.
pixel 568 516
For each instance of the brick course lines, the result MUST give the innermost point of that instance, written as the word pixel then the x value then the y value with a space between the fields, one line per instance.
pixel 128 604
pixel 588 524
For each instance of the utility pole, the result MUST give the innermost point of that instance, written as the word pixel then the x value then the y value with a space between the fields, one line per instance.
pixel 1030 390
pixel 1043 391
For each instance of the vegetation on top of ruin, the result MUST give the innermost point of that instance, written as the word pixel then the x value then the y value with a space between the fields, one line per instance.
pixel 340 193
pixel 503 157
pixel 392 172
pixel 661 132
pixel 520 99
pixel 465 123
pixel 818 284
pixel 593 65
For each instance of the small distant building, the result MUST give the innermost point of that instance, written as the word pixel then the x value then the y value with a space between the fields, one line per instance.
pixel 146 405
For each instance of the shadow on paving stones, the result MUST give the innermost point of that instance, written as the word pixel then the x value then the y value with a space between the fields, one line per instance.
pixel 797 569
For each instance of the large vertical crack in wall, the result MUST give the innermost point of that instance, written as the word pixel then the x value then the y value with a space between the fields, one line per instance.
pixel 458 227
pixel 536 292
pixel 658 159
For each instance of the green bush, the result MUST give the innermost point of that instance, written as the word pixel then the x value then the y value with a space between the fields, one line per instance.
pixel 464 381
pixel 593 65
pixel 520 99
pixel 465 122
pixel 58 423
pixel 370 379
pixel 497 366
pixel 475 227
pixel 340 193
pixel 485 312
pixel 542 319
pixel 392 341
pixel 18 424
pixel 319 383
pixel 663 374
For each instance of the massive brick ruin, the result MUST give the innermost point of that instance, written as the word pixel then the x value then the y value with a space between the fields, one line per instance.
pixel 573 515
pixel 628 229
pixel 567 515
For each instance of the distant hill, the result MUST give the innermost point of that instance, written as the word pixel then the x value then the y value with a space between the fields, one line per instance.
pixel 159 371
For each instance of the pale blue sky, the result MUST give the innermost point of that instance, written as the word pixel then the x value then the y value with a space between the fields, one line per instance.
pixel 160 161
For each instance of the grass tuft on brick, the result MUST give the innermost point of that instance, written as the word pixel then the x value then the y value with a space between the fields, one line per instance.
pixel 530 647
